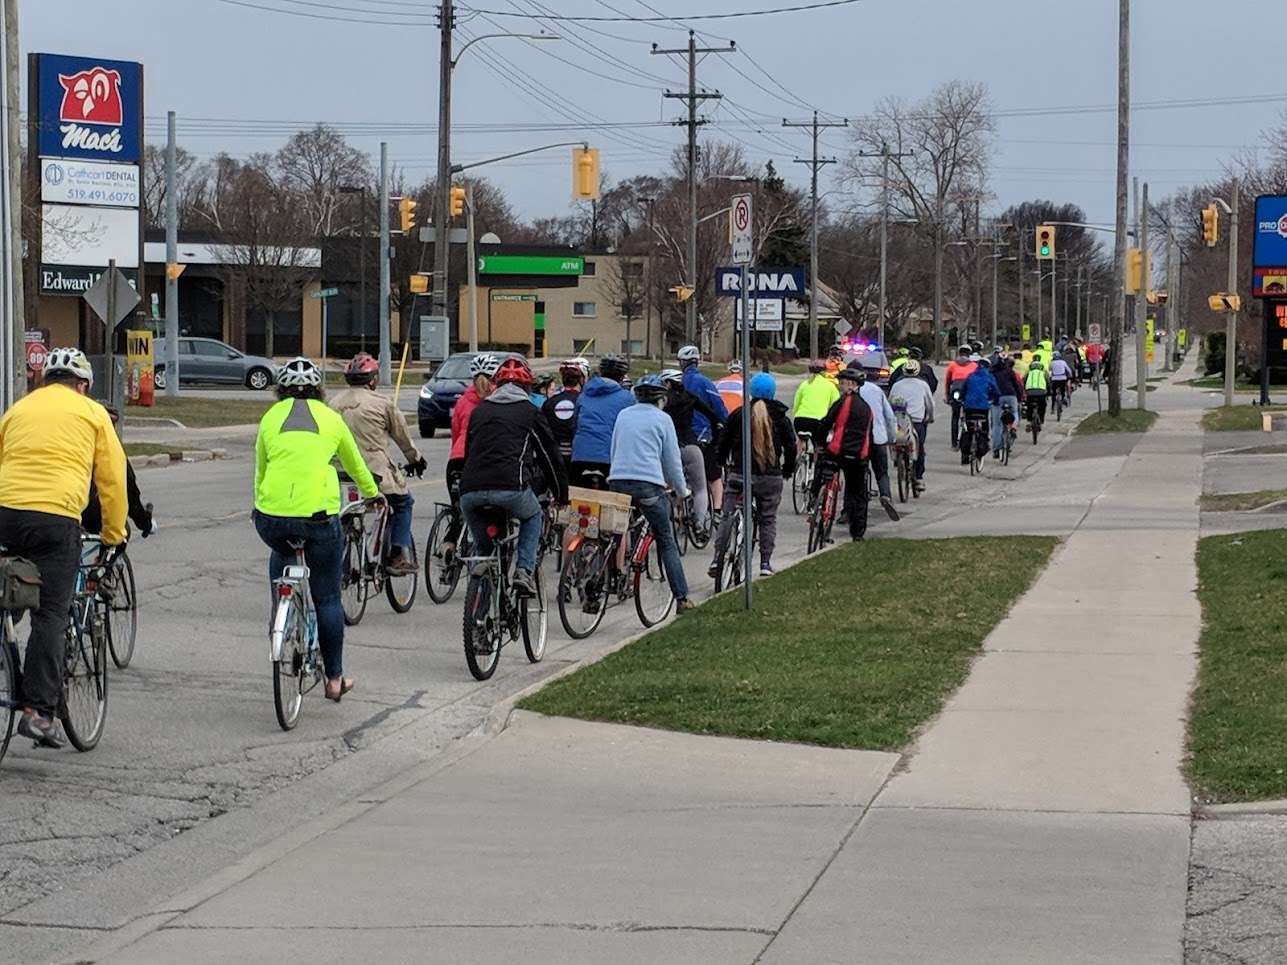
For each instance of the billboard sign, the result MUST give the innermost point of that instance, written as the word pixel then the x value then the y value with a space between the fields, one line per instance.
pixel 89 109
pixel 764 282
pixel 1269 249
pixel 76 280
pixel 89 182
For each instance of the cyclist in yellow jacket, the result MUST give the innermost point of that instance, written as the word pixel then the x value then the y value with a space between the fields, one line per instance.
pixel 813 400
pixel 53 443
pixel 297 499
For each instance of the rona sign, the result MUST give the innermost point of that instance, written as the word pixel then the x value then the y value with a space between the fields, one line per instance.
pixel 89 109
pixel 763 282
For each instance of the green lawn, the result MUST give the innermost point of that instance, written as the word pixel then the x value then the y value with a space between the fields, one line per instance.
pixel 1235 418
pixel 151 448
pixel 202 413
pixel 1241 502
pixel 1238 718
pixel 1130 420
pixel 857 647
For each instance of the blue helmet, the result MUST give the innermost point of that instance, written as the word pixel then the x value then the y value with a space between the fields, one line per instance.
pixel 763 386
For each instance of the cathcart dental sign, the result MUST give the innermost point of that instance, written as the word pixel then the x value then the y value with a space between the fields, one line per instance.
pixel 89 108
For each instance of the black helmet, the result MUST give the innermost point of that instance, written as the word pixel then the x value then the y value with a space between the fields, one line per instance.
pixel 853 374
pixel 916 353
pixel 613 367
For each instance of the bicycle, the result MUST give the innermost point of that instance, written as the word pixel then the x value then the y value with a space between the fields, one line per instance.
pixel 293 645
pixel 905 453
pixel 591 577
pixel 976 429
pixel 119 589
pixel 729 566
pixel 364 570
pixel 1058 401
pixel 805 467
pixel 1008 433
pixel 495 613
pixel 823 509
pixel 1034 421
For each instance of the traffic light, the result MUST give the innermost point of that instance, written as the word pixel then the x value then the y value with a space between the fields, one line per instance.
pixel 1134 271
pixel 585 173
pixel 683 292
pixel 1045 242
pixel 407 214
pixel 457 201
pixel 1211 225
pixel 419 284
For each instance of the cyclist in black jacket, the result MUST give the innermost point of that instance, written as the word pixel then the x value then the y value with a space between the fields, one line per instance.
pixel 680 406
pixel 560 409
pixel 91 518
pixel 510 458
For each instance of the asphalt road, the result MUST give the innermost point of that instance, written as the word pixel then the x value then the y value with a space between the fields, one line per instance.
pixel 191 734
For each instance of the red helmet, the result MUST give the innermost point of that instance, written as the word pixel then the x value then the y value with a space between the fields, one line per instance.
pixel 361 370
pixel 514 370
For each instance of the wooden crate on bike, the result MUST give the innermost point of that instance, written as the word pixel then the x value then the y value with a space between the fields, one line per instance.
pixel 591 512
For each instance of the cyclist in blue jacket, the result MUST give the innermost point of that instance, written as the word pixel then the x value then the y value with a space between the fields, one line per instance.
pixel 704 389
pixel 600 403
pixel 981 393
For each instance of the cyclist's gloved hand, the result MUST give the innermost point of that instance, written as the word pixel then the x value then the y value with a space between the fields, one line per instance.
pixel 149 524
pixel 416 468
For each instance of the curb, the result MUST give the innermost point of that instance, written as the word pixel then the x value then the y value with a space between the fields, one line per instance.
pixel 178 455
pixel 1249 809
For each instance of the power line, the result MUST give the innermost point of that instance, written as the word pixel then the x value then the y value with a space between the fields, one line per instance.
pixel 697 16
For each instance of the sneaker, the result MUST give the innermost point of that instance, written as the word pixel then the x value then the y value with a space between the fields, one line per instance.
pixel 996 453
pixel 857 539
pixel 713 570
pixel 524 583
pixel 766 569
pixel 684 605
pixel 888 505
pixel 42 730
pixel 402 565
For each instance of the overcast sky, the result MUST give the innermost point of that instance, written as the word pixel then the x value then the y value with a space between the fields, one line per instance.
pixel 212 60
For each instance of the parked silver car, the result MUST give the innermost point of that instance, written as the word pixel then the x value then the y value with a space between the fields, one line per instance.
pixel 209 360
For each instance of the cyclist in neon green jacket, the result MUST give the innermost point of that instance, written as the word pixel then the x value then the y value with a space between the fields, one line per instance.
pixel 297 499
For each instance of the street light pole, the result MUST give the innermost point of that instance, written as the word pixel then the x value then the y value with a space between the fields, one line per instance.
pixel 1118 295
pixel 815 164
pixel 386 336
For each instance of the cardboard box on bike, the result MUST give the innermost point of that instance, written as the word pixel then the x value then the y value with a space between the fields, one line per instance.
pixel 594 511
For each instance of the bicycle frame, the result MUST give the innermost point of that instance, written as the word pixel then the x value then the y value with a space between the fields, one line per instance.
pixel 498 566
pixel 293 583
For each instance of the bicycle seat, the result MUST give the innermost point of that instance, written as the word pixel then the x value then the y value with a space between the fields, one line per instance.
pixel 594 479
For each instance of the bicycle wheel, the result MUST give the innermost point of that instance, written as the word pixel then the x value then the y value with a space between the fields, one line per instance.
pixel 730 565
pixel 442 575
pixel 481 633
pixel 401 588
pixel 653 599
pixel 583 589
pixel 535 620
pixel 1005 452
pixel 678 527
pixel 289 671
pixel 123 611
pixel 1059 409
pixel 84 707
pixel 353 588
pixel 1035 425
pixel 904 476
pixel 800 483
pixel 8 692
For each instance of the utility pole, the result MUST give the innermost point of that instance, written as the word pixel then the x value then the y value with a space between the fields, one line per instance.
pixel 1118 295
pixel 1231 322
pixel 473 268
pixel 1141 305
pixel 978 266
pixel 885 157
pixel 939 334
pixel 1019 262
pixel 815 164
pixel 1054 299
pixel 386 339
pixel 12 317
pixel 442 202
pixel 693 97
pixel 171 259
pixel 1079 287
pixel 361 273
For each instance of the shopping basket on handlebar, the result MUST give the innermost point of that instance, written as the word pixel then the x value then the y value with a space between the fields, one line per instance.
pixel 594 512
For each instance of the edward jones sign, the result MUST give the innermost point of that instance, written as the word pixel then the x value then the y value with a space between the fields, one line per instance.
pixel 89 109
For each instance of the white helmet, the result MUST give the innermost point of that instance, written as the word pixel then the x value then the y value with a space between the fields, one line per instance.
pixel 671 376
pixel 71 360
pixel 582 363
pixel 734 366
pixel 689 353
pixel 484 363
pixel 299 372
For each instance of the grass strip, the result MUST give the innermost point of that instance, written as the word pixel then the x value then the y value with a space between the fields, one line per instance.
pixel 1130 420
pixel 153 448
pixel 204 413
pixel 842 650
pixel 1241 502
pixel 1236 418
pixel 1238 717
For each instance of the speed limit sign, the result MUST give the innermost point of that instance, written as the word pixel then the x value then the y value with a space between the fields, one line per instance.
pixel 36 351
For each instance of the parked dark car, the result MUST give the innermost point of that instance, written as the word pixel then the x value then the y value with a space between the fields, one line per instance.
pixel 443 387
pixel 209 360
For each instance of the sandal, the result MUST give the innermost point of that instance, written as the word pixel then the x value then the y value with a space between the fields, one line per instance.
pixel 346 684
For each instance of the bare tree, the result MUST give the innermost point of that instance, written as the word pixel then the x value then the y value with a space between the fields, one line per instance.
pixel 187 177
pixel 313 166
pixel 627 286
pixel 949 139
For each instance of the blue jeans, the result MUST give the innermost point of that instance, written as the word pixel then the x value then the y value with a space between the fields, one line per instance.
pixel 521 504
pixel 400 520
pixel 998 438
pixel 324 554
pixel 655 505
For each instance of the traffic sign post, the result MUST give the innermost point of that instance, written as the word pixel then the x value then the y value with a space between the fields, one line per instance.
pixel 1096 332
pixel 112 298
pixel 742 242
pixel 325 294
